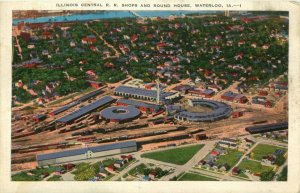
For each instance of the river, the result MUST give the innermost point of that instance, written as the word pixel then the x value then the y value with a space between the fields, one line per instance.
pixel 107 15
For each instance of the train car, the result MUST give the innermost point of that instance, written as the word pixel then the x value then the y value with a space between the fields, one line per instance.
pixel 158 113
pixel 201 136
pixel 23 135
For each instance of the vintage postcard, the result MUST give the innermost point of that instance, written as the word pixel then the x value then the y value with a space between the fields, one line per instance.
pixel 111 96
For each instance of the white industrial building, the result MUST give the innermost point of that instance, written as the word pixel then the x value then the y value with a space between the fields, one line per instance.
pixel 86 153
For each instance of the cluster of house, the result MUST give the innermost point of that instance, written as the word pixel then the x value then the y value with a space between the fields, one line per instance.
pixel 59 171
pixel 209 162
pixel 271 158
pixel 241 145
pixel 47 94
pixel 278 87
pixel 111 169
pixel 234 97
pixel 151 176
pixel 283 135
pixel 228 143
pixel 201 92
pixel 261 100
pixel 168 69
pixel 245 144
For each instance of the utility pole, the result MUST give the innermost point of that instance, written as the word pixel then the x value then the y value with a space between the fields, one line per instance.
pixel 227 14
pixel 158 91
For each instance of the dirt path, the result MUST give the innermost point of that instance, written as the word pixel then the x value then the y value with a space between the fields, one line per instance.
pixel 117 53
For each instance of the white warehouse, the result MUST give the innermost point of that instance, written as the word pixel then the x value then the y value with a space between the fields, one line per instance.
pixel 86 153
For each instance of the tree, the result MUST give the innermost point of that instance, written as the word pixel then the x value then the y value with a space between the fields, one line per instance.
pixel 283 174
pixel 147 171
pixel 267 176
pixel 279 160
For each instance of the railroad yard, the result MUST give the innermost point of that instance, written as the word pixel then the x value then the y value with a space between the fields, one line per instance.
pixel 149 130
pixel 128 126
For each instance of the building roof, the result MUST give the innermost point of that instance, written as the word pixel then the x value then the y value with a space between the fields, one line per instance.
pixel 141 92
pixel 40 116
pixel 89 95
pixel 120 113
pixel 81 99
pixel 219 110
pixel 64 108
pixel 208 92
pixel 230 94
pixel 138 103
pixel 86 109
pixel 74 152
pixel 229 140
pixel 267 127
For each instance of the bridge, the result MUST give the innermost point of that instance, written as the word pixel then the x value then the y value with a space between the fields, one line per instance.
pixel 136 14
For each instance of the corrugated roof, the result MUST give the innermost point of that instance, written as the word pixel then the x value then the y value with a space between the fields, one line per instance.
pixel 138 103
pixel 89 95
pixel 130 113
pixel 74 152
pixel 86 109
pixel 230 94
pixel 40 116
pixel 267 127
pixel 220 110
pixel 64 108
pixel 141 92
pixel 81 99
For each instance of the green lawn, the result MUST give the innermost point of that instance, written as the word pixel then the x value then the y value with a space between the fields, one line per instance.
pixel 241 174
pixel 177 156
pixel 86 171
pixel 23 176
pixel 137 170
pixel 55 178
pixel 262 150
pixel 254 166
pixel 231 158
pixel 195 177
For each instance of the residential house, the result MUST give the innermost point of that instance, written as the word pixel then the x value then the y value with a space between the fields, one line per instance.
pixel 119 163
pixel 90 39
pixel 269 159
pixel 152 175
pixel 111 168
pixel 236 171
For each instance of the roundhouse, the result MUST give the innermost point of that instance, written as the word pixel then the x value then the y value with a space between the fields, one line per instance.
pixel 219 111
pixel 120 114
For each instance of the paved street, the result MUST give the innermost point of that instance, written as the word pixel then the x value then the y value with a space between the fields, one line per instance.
pixel 68 176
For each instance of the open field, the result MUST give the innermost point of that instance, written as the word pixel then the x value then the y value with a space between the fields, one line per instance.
pixel 85 171
pixel 195 177
pixel 231 158
pixel 263 149
pixel 137 170
pixel 254 166
pixel 177 156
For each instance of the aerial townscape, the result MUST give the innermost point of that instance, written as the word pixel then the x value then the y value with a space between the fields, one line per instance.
pixel 149 96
